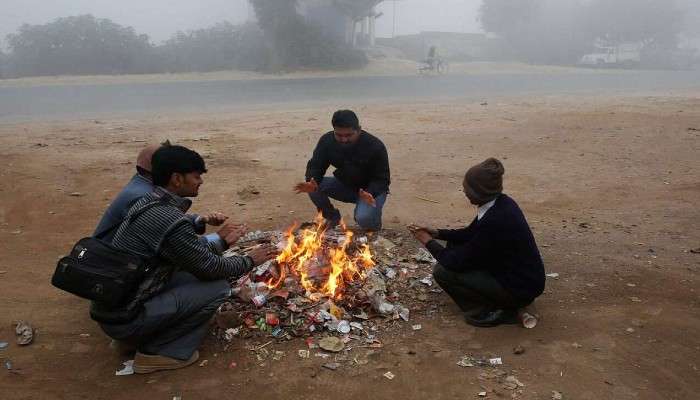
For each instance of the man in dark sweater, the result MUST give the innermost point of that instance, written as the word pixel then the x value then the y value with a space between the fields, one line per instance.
pixel 361 177
pixel 167 316
pixel 492 267
pixel 142 183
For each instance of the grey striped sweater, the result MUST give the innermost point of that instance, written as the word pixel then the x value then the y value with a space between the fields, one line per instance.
pixel 161 223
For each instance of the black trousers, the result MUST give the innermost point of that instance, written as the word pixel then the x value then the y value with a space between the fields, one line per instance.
pixel 475 291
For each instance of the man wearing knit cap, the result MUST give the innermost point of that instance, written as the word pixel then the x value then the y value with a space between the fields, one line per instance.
pixel 492 267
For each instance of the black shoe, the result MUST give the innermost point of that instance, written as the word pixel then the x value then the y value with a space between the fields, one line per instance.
pixel 472 312
pixel 330 224
pixel 490 318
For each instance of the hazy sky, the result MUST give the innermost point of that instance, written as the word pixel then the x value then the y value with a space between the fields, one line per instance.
pixel 161 18
pixel 413 16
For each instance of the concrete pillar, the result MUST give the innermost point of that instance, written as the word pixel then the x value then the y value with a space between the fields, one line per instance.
pixel 354 33
pixel 349 31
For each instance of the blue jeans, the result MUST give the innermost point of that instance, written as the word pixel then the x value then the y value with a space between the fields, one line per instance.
pixel 366 216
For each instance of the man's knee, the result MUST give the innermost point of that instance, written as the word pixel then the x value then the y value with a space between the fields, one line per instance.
pixel 222 290
pixel 317 196
pixel 368 217
pixel 370 221
pixel 217 293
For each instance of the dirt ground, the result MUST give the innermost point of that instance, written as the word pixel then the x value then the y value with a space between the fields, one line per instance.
pixel 610 186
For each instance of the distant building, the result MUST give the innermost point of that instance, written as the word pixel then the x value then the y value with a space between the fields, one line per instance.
pixel 454 46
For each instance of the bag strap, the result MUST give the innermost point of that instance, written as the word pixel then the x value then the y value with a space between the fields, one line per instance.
pixel 117 224
pixel 129 219
pixel 165 235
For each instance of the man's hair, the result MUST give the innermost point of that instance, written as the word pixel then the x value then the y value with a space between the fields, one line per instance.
pixel 143 160
pixel 169 160
pixel 346 119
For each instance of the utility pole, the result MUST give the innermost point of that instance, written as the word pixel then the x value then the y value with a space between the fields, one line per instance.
pixel 393 29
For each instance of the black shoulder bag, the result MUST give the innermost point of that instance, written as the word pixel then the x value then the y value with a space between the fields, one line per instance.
pixel 97 271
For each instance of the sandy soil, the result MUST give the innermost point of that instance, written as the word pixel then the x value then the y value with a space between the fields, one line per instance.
pixel 609 185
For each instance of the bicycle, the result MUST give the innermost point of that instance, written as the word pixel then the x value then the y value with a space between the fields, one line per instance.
pixel 437 65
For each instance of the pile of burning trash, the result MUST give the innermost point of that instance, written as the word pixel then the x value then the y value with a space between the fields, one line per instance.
pixel 333 282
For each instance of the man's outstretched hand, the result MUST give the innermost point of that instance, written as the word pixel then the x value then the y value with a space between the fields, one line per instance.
pixel 367 198
pixel 231 233
pixel 306 187
pixel 415 227
pixel 262 253
pixel 214 219
pixel 422 234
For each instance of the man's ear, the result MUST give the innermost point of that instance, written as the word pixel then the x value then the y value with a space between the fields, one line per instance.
pixel 176 180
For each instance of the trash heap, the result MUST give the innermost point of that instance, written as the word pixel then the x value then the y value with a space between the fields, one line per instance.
pixel 334 286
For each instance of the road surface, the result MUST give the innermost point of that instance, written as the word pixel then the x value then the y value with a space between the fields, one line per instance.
pixel 77 101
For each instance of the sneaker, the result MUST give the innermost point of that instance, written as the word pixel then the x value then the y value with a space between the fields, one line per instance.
pixel 146 364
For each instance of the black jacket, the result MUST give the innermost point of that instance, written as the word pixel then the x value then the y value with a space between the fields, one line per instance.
pixel 500 243
pixel 364 165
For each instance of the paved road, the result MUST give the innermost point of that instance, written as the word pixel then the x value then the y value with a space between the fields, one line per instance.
pixel 87 101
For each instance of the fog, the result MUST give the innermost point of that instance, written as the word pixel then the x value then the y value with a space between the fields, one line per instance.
pixel 161 18
pixel 414 16
pixel 385 50
pixel 157 18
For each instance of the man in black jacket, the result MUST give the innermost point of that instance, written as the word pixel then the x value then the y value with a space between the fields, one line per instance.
pixel 492 267
pixel 362 172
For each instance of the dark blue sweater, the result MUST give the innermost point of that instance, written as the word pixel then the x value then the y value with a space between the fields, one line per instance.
pixel 132 192
pixel 500 243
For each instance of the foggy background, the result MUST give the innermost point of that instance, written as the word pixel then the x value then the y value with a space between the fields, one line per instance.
pixel 161 18
pixel 102 37
pixel 646 45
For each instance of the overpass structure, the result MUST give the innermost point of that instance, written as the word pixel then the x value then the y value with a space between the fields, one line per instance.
pixel 352 20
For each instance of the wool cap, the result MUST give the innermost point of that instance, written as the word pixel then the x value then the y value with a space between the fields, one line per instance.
pixel 484 181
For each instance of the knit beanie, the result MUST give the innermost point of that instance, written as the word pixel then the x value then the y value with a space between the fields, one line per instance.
pixel 484 181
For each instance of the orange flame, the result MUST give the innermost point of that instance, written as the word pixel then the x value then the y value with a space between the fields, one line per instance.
pixel 307 251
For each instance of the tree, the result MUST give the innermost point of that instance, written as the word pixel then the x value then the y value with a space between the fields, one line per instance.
pixel 508 17
pixel 79 45
pixel 540 31
pixel 220 47
pixel 650 22
pixel 560 31
pixel 292 43
pixel 3 64
pixel 690 9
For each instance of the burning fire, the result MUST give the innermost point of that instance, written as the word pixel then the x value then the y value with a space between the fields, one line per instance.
pixel 322 265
